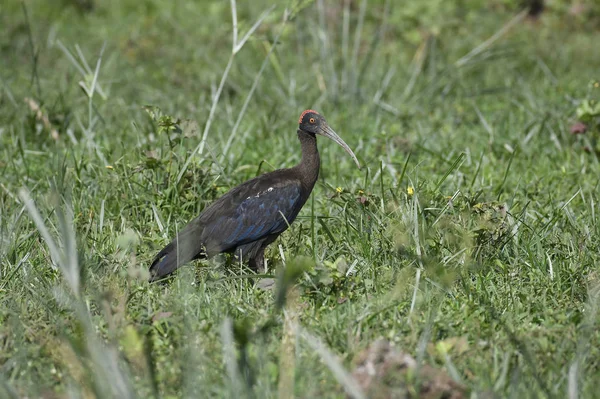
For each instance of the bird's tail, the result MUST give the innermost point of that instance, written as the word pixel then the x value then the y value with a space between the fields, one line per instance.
pixel 178 252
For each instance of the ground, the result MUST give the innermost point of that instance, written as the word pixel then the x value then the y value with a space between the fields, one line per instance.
pixel 468 240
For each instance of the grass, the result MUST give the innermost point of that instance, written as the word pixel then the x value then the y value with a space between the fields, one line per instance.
pixel 471 230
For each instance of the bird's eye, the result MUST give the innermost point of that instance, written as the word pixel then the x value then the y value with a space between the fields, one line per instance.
pixel 312 120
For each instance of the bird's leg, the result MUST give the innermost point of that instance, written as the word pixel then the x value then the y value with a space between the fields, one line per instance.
pixel 237 258
pixel 257 262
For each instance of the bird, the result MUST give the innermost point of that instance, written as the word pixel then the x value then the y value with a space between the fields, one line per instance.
pixel 249 217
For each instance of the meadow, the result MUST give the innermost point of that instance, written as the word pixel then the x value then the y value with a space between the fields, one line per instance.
pixel 468 238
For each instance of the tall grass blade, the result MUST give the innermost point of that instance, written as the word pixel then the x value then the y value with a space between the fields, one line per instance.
pixel 332 362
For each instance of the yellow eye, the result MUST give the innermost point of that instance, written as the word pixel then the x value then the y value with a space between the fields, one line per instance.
pixel 312 120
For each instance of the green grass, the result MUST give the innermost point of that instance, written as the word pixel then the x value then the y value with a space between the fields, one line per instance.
pixel 474 216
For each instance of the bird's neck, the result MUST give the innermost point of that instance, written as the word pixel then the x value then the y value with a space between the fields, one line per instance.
pixel 310 163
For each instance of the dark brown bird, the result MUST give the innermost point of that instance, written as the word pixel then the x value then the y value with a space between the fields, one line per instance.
pixel 252 215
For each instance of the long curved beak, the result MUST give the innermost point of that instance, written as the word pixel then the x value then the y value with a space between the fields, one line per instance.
pixel 330 134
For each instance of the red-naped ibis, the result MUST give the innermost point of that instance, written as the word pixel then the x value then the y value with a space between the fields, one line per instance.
pixel 252 215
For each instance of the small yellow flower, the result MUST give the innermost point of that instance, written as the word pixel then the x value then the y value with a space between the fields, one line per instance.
pixel 596 84
pixel 410 190
pixel 339 189
pixel 361 192
pixel 109 167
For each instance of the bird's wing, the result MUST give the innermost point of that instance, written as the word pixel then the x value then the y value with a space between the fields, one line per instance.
pixel 253 213
pixel 247 213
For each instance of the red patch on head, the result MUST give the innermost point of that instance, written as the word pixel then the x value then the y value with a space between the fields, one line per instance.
pixel 306 112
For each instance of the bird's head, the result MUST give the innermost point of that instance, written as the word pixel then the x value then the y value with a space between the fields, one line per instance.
pixel 312 122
